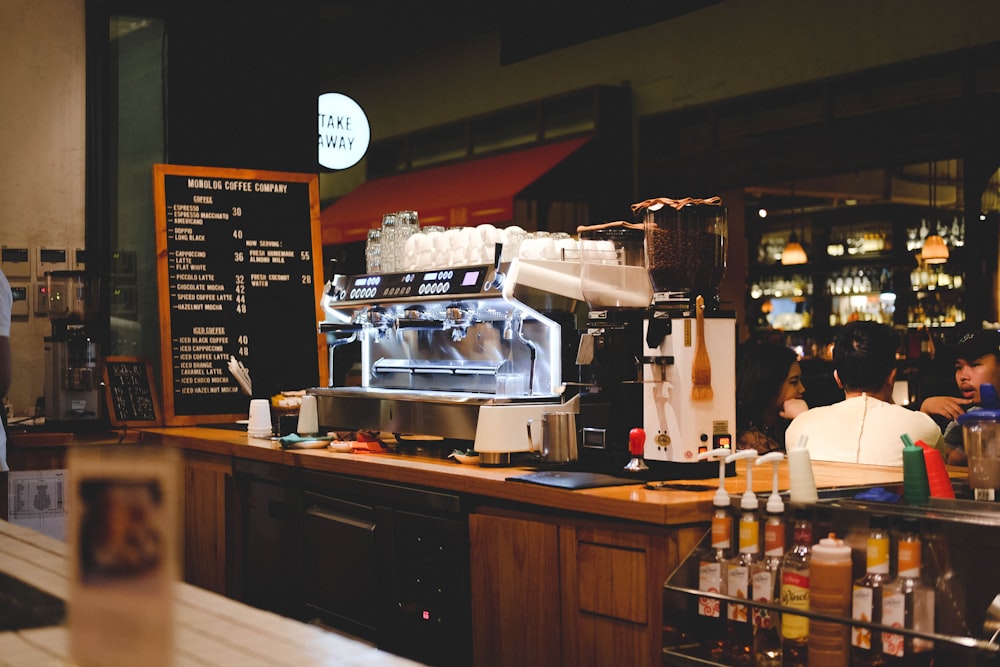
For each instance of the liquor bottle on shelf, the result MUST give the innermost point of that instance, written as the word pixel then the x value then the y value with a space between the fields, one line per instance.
pixel 765 580
pixel 712 562
pixel 794 575
pixel 739 568
pixel 908 603
pixel 866 601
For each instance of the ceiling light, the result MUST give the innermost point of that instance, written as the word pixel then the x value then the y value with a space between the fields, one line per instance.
pixel 762 213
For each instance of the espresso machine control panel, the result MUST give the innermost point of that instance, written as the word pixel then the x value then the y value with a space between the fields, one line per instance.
pixel 461 281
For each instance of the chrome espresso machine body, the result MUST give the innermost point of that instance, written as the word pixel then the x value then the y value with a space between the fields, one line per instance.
pixel 451 353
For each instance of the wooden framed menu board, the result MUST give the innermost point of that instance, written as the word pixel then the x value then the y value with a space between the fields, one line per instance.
pixel 131 392
pixel 239 266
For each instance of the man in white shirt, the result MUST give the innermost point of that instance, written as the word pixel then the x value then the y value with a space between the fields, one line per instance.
pixel 6 302
pixel 866 426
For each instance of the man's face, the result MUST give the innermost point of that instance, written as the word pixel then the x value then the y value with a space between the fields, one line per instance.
pixel 970 374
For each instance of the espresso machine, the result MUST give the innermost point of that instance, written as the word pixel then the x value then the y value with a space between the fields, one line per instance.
pixel 664 357
pixel 465 356
pixel 72 354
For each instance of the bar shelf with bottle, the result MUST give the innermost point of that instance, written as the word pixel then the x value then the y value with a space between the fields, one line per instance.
pixel 959 538
pixel 865 263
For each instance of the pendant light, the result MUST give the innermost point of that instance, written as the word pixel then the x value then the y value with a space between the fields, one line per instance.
pixel 793 253
pixel 934 251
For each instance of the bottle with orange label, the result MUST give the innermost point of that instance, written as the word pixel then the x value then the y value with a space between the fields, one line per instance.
pixel 866 599
pixel 765 579
pixel 712 563
pixel 739 568
pixel 908 603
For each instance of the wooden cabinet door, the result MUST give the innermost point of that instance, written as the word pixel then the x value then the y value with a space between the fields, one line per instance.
pixel 612 591
pixel 206 482
pixel 516 605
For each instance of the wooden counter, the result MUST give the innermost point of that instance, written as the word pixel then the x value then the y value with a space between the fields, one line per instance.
pixel 630 502
pixel 560 577
pixel 209 629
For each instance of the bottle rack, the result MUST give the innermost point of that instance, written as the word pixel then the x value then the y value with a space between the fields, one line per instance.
pixel 960 540
pixel 865 268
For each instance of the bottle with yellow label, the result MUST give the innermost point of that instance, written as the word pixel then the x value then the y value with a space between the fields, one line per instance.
pixel 712 564
pixel 866 599
pixel 794 587
pixel 908 603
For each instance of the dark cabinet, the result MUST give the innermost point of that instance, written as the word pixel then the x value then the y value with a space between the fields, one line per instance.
pixel 340 560
pixel 270 567
pixel 385 562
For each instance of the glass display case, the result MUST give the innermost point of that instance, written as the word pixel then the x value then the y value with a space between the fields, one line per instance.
pixel 959 538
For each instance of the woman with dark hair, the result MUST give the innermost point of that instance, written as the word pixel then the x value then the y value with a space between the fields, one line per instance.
pixel 769 393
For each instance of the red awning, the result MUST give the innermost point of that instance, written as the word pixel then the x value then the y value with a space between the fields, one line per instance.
pixel 466 193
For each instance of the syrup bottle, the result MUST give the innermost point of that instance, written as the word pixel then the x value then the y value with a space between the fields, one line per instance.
pixel 866 599
pixel 739 568
pixel 830 594
pixel 794 586
pixel 765 580
pixel 712 561
pixel 908 603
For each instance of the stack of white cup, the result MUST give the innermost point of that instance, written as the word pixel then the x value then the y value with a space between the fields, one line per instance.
pixel 259 424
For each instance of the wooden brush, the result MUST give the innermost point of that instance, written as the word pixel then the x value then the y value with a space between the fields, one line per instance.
pixel 701 367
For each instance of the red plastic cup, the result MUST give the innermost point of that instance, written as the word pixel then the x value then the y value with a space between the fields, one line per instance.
pixel 937 476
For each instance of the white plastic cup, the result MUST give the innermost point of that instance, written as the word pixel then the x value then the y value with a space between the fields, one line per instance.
pixel 259 424
pixel 800 474
pixel 308 419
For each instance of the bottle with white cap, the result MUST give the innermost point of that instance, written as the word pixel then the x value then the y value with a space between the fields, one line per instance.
pixel 738 569
pixel 765 582
pixel 712 560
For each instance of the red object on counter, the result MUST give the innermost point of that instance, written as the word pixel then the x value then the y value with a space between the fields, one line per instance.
pixel 937 476
pixel 636 442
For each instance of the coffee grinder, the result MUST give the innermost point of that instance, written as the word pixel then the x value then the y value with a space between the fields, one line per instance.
pixel 689 342
pixel 72 354
pixel 662 357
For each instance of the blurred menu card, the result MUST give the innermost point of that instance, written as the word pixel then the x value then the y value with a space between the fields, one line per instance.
pixel 124 553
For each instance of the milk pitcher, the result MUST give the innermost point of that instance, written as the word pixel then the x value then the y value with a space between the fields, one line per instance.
pixel 558 443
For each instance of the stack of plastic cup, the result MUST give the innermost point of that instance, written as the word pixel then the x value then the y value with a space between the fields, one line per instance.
pixel 938 480
pixel 915 488
pixel 259 424
pixel 308 419
pixel 800 474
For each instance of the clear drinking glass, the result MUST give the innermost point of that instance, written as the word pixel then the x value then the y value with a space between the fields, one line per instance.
pixel 390 243
pixel 373 255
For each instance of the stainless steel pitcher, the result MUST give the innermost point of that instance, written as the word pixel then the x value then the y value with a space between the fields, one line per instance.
pixel 558 443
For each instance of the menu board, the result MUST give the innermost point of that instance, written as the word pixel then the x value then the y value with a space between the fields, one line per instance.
pixel 239 263
pixel 131 394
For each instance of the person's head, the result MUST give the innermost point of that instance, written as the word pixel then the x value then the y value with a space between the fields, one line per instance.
pixel 864 357
pixel 977 362
pixel 767 375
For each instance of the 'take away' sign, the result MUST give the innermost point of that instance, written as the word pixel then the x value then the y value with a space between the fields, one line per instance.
pixel 344 132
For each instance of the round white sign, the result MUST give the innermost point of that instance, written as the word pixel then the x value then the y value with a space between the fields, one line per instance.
pixel 344 132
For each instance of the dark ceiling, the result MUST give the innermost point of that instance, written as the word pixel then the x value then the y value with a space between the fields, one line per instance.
pixel 369 34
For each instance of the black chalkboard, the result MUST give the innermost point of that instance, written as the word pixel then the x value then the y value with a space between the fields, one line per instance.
pixel 130 392
pixel 239 263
